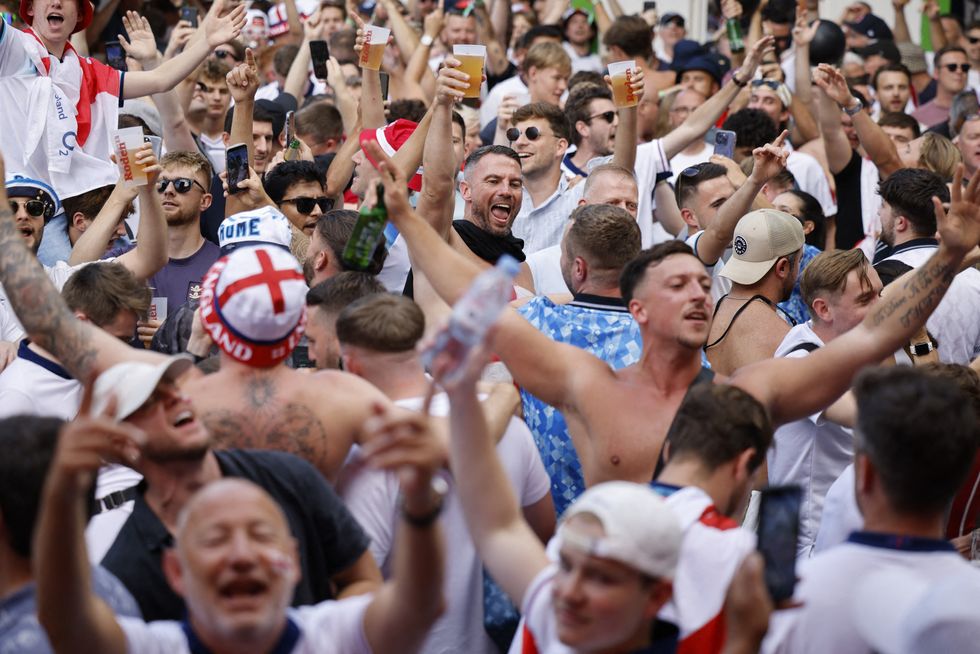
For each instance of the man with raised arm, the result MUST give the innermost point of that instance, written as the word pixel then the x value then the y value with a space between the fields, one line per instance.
pixel 618 419
pixel 235 561
pixel 72 101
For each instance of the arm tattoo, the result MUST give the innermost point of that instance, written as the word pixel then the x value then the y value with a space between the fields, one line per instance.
pixel 920 294
pixel 39 306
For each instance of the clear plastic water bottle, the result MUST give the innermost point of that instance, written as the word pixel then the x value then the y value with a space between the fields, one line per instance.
pixel 475 313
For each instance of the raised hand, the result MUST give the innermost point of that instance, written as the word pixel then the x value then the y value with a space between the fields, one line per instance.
pixel 505 112
pixel 451 83
pixel 433 23
pixel 636 84
pixel 243 79
pixel 313 27
pixel 755 54
pixel 959 228
pixel 181 34
pixel 769 160
pixel 833 84
pixel 731 9
pixel 220 25
pixel 145 157
pixel 403 441
pixel 141 46
pixel 931 9
pixel 802 32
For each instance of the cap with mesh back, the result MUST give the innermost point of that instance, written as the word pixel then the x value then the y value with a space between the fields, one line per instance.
pixel 253 304
pixel 639 529
pixel 761 237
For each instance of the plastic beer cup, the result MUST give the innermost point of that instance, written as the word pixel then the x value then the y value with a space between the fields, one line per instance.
pixel 126 142
pixel 621 73
pixel 472 59
pixel 375 40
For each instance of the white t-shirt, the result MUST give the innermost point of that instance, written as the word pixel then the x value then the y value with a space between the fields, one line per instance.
pixel 681 161
pixel 811 452
pixel 591 62
pixel 215 149
pixel 811 179
pixel 331 627
pixel 37 386
pixel 825 622
pixel 841 514
pixel 372 497
pixel 545 268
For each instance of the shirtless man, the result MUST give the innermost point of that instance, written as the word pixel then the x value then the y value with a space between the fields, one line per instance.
pixel 618 419
pixel 269 407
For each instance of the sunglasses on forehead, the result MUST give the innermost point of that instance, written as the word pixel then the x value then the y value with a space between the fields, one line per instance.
pixel 34 208
pixel 771 83
pixel 181 185
pixel 305 205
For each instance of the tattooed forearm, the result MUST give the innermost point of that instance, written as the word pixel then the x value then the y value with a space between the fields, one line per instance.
pixel 915 295
pixel 38 305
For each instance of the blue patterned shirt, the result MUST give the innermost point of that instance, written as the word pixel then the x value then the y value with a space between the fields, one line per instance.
pixel 599 325
pixel 795 307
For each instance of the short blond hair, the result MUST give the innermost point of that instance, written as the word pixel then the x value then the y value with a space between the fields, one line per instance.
pixel 193 160
pixel 828 271
pixel 938 154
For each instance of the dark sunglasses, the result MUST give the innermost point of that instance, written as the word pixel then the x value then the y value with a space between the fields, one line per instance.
pixel 532 133
pixel 771 83
pixel 608 116
pixel 694 171
pixel 973 39
pixel 305 205
pixel 35 208
pixel 225 54
pixel 964 68
pixel 181 185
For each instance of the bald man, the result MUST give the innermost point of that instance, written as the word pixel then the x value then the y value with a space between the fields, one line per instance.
pixel 235 562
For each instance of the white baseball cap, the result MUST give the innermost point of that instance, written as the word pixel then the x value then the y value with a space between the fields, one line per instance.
pixel 641 531
pixel 761 237
pixel 264 226
pixel 133 382
pixel 902 611
pixel 253 304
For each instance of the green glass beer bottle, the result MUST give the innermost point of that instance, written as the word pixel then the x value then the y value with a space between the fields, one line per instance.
pixel 734 31
pixel 368 232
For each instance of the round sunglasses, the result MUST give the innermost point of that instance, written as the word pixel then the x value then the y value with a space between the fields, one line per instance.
pixel 181 185
pixel 532 133
pixel 305 205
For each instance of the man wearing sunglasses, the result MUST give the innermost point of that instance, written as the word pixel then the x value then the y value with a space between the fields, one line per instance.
pixel 593 119
pixel 951 73
pixel 297 189
pixel 182 190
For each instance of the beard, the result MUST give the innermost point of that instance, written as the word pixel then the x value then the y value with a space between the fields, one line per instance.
pixel 481 219
pixel 170 453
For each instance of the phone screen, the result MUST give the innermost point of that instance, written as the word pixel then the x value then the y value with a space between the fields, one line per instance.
pixel 384 86
pixel 115 56
pixel 725 143
pixel 319 53
pixel 236 165
pixel 779 526
pixel 156 143
pixel 189 14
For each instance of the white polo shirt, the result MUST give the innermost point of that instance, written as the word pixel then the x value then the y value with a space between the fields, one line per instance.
pixel 825 622
pixel 811 452
pixel 331 627
pixel 841 514
pixel 720 286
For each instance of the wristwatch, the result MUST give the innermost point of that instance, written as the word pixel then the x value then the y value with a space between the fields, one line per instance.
pixel 739 82
pixel 922 349
pixel 438 488
pixel 426 40
pixel 851 111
